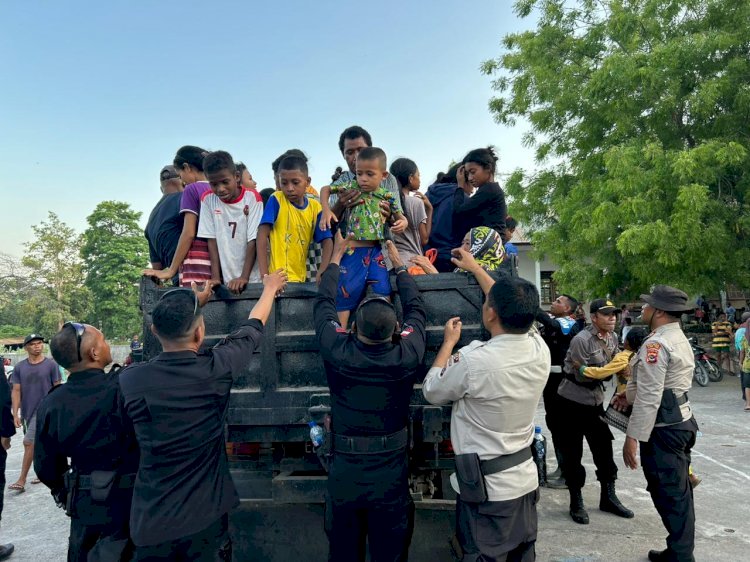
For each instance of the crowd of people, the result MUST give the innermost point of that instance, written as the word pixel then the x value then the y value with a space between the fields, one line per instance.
pixel 137 456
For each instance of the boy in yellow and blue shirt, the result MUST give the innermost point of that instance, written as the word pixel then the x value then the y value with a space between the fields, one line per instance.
pixel 290 222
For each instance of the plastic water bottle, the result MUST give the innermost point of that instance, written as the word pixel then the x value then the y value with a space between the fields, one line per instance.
pixel 539 453
pixel 317 435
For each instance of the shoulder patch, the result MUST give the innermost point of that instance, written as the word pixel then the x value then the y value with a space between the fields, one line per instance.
pixel 455 358
pixel 652 352
pixel 407 331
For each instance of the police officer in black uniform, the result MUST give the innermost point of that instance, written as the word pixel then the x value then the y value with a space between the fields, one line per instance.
pixel 81 421
pixel 371 375
pixel 557 330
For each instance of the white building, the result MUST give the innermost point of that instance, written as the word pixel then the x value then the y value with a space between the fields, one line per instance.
pixel 538 272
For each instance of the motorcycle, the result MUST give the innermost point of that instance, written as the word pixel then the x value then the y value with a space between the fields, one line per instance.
pixel 706 367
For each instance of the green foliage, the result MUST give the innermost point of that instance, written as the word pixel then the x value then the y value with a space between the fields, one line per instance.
pixel 114 252
pixel 639 112
pixel 51 290
pixel 9 331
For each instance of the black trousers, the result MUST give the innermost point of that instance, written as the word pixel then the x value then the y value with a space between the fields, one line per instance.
pixel 99 543
pixel 212 544
pixel 552 406
pixel 3 461
pixel 387 528
pixel 579 421
pixel 501 531
pixel 666 458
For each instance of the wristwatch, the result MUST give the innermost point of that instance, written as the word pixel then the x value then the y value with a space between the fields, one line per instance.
pixel 400 269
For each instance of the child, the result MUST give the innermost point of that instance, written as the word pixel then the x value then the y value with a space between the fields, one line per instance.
pixel 510 229
pixel 230 215
pixel 291 220
pixel 191 258
pixel 365 225
pixel 246 178
pixel 418 210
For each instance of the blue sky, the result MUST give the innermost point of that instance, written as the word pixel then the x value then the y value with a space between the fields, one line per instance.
pixel 98 96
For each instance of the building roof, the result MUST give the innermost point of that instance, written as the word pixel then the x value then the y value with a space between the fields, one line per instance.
pixel 520 236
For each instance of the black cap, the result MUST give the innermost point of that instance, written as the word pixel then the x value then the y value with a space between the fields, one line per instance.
pixel 168 173
pixel 32 337
pixel 668 299
pixel 602 305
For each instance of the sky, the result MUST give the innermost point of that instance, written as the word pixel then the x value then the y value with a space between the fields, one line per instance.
pixel 97 96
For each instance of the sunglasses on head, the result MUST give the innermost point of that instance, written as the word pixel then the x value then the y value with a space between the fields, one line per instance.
pixel 80 329
pixel 183 290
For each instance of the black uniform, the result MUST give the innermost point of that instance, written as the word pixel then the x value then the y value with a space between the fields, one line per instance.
pixel 557 334
pixel 81 421
pixel 178 404
pixel 7 428
pixel 371 387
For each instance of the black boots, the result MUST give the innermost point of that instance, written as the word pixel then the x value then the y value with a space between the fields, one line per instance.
pixel 610 503
pixel 577 511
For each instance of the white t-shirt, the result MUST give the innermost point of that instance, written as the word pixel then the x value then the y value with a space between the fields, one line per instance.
pixel 233 225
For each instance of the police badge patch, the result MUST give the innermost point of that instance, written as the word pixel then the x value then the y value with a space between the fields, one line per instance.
pixel 455 358
pixel 652 352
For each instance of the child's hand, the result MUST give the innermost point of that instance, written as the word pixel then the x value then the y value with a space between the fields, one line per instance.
pixel 276 281
pixel 237 285
pixel 425 200
pixel 159 274
pixel 399 227
pixel 318 277
pixel 326 218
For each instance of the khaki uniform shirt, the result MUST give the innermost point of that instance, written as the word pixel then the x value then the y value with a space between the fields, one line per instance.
pixel 664 361
pixel 591 348
pixel 495 388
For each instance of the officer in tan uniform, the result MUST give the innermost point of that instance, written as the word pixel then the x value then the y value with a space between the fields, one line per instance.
pixel 662 420
pixel 494 387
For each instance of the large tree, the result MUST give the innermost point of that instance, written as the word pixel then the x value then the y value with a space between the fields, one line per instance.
pixel 115 252
pixel 51 290
pixel 639 113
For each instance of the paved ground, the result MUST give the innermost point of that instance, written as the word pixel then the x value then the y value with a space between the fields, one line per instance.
pixel 39 529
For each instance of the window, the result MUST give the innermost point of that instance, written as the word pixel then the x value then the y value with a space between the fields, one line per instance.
pixel 548 289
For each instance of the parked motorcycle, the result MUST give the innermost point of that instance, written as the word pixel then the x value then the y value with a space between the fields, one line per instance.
pixel 706 368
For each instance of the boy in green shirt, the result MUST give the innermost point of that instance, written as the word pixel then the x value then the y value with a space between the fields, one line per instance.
pixel 365 226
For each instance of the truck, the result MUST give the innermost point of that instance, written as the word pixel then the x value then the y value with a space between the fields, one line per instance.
pixel 277 473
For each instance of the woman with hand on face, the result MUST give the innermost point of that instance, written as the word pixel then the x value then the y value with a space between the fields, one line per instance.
pixel 486 207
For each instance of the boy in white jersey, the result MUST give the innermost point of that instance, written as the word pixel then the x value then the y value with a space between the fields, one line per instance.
pixel 229 219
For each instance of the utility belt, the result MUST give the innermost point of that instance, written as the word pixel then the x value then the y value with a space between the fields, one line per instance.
pixel 372 444
pixel 99 484
pixel 470 472
pixel 669 409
